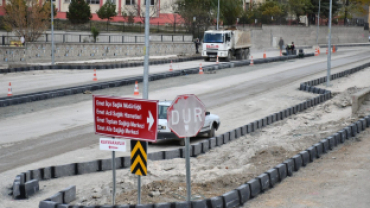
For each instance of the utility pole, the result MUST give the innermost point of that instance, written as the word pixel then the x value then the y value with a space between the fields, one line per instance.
pixel 52 32
pixel 145 76
pixel 318 24
pixel 218 13
pixel 329 48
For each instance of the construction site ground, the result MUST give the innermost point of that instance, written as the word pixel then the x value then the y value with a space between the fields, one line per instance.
pixel 224 168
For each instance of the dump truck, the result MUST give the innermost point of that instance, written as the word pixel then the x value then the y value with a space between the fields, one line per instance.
pixel 225 44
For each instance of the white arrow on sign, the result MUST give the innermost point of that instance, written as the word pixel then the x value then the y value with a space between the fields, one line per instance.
pixel 150 120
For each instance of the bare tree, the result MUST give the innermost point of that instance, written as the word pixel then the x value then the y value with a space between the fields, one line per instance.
pixel 27 18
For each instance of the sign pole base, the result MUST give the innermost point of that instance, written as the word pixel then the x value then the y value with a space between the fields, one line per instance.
pixel 188 176
pixel 138 189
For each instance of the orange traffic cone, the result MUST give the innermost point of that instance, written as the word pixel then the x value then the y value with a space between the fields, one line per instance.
pixel 333 48
pixel 316 52
pixel 136 91
pixel 281 53
pixel 217 60
pixel 264 54
pixel 171 69
pixel 10 93
pixel 327 52
pixel 200 69
pixel 251 63
pixel 318 49
pixel 95 78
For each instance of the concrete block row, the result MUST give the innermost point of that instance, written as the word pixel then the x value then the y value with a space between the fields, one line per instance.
pixel 96 66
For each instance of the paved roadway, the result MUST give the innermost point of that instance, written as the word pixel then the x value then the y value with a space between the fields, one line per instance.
pixel 66 123
pixel 35 81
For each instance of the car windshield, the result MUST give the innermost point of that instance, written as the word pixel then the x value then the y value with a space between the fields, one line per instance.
pixel 162 112
pixel 213 38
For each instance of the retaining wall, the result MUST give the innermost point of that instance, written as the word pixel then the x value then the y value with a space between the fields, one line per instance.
pixel 41 52
pixel 269 35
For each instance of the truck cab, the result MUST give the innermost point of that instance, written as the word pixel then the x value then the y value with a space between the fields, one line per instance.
pixel 225 43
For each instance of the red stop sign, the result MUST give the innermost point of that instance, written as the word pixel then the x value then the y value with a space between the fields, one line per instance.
pixel 186 115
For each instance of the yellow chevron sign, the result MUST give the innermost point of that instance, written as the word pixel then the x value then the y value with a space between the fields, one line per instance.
pixel 138 158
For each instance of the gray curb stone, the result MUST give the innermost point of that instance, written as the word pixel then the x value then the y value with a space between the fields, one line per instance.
pixel 289 166
pixel 331 142
pixel 282 170
pixel 255 187
pixel 215 202
pixel 170 154
pixel 156 156
pixel 273 177
pixel 69 194
pixel 199 204
pixel 29 188
pixel 220 140
pixel 87 167
pixel 244 193
pixel 16 190
pixel 47 204
pixel 58 198
pixel 212 142
pixel 264 180
pixel 63 170
pixel 196 149
pixel 231 199
pixel 46 173
pixel 325 144
pixel 297 162
pixel 319 149
pixel 226 137
pixel 181 205
pixel 36 174
pixel 106 164
pixel 162 205
pixel 143 206
pixel 312 151
pixel 205 146
pixel 305 157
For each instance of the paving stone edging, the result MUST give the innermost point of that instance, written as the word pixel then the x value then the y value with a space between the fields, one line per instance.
pixel 49 94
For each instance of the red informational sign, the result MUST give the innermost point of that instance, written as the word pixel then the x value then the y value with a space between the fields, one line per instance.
pixel 125 117
pixel 186 115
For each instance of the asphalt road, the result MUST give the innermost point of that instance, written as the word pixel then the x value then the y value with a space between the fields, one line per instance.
pixel 214 90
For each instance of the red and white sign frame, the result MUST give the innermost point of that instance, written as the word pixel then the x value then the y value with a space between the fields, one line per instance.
pixel 154 115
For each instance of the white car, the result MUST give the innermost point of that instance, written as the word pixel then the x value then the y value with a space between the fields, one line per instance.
pixel 211 124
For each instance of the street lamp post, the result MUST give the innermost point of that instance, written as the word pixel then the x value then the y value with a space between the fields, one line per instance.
pixel 218 13
pixel 329 48
pixel 52 32
pixel 318 24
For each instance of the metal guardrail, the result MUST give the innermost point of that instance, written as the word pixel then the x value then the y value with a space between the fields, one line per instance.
pixel 72 38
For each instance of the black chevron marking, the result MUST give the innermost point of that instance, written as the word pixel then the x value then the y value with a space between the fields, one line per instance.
pixel 138 166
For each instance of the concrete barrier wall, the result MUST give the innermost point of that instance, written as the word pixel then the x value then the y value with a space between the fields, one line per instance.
pixel 269 36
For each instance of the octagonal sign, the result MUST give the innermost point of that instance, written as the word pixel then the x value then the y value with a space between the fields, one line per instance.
pixel 186 115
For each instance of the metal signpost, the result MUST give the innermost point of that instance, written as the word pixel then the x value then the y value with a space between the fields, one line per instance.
pixel 126 118
pixel 113 145
pixel 52 32
pixel 185 118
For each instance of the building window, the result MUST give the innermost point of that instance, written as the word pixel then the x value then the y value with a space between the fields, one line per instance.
pixel 113 2
pixel 130 2
pixel 93 1
pixel 151 2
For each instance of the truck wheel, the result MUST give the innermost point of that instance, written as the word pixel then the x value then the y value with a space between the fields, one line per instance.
pixel 206 59
pixel 182 142
pixel 239 55
pixel 228 58
pixel 246 54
